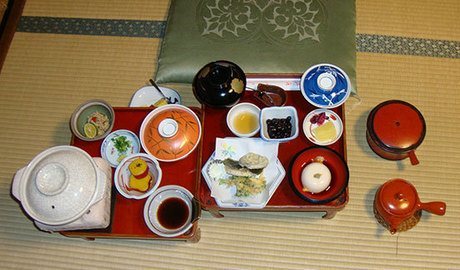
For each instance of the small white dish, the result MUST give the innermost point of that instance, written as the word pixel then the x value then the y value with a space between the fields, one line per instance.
pixel 330 118
pixel 159 221
pixel 118 145
pixel 148 95
pixel 223 195
pixel 122 175
pixel 270 113
pixel 244 112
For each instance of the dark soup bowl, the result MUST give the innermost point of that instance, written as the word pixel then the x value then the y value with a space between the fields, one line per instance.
pixel 219 84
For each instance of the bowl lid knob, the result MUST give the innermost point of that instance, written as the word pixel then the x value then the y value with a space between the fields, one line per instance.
pixel 168 128
pixel 326 81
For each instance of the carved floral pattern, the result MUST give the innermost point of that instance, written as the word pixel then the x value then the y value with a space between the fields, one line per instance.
pixel 281 19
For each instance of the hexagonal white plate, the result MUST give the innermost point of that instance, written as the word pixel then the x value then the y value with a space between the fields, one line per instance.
pixel 223 195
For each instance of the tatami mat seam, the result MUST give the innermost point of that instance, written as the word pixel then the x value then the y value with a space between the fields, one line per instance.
pixel 155 29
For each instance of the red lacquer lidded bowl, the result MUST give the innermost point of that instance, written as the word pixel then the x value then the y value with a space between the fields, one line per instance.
pixel 398 208
pixel 395 129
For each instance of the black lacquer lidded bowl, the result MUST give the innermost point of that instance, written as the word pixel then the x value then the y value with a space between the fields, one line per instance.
pixel 219 84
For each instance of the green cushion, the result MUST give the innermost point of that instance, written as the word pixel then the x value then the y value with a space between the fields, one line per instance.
pixel 261 36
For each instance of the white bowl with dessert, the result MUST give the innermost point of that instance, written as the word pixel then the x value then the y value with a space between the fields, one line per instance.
pixel 322 127
pixel 137 176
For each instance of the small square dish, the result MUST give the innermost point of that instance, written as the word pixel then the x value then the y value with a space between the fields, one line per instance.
pixel 279 124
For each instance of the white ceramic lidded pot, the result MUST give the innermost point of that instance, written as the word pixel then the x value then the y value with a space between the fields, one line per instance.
pixel 64 188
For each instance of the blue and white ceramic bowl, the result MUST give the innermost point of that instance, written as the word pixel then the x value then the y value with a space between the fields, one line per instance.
pixel 325 86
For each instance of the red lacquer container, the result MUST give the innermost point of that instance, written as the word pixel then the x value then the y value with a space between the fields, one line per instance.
pixel 398 208
pixel 395 129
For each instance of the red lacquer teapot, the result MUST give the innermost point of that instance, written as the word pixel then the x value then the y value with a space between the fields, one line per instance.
pixel 398 208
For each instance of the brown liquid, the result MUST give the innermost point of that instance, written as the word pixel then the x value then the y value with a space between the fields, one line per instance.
pixel 173 213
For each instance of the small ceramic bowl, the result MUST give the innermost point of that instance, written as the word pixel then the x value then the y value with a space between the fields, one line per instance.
pixel 170 132
pixel 118 145
pixel 97 114
pixel 170 211
pixel 322 127
pixel 122 177
pixel 243 119
pixel 271 113
pixel 333 161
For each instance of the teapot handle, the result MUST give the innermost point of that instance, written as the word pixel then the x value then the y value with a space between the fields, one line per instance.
pixel 437 208
pixel 17 179
pixel 413 158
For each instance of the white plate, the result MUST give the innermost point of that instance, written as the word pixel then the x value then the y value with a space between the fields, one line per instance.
pixel 221 193
pixel 148 95
pixel 331 117
pixel 110 153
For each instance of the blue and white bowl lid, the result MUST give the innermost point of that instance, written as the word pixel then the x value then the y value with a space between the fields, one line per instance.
pixel 325 86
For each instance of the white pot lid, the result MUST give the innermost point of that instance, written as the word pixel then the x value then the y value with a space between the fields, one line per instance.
pixel 59 185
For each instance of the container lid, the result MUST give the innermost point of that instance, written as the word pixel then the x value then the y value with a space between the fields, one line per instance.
pixel 397 125
pixel 170 132
pixel 59 185
pixel 325 86
pixel 219 84
pixel 398 197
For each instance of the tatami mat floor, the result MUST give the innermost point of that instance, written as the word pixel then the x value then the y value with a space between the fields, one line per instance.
pixel 46 75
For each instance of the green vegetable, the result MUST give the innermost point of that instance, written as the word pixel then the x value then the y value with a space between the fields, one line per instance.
pixel 121 144
pixel 245 186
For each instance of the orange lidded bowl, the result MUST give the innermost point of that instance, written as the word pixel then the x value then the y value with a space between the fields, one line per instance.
pixel 170 132
pixel 395 129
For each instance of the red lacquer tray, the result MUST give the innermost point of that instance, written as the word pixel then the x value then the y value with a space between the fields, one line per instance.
pixel 127 218
pixel 284 198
